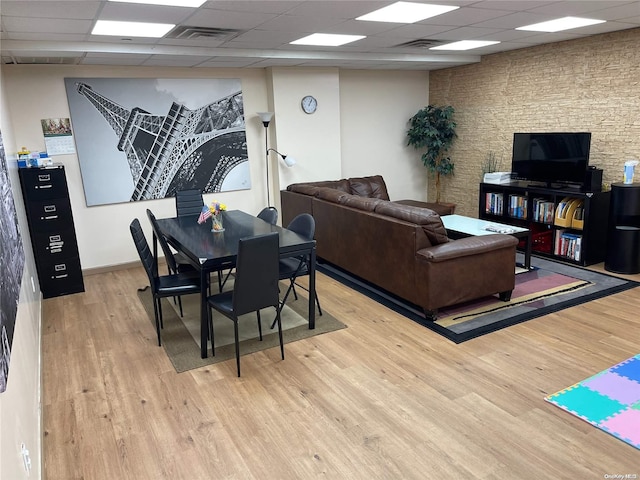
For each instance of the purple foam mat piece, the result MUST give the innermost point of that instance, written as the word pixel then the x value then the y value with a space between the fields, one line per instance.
pixel 615 387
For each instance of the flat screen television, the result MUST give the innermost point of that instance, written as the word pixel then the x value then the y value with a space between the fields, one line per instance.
pixel 551 157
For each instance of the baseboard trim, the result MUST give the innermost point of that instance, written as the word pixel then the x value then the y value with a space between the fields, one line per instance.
pixel 111 268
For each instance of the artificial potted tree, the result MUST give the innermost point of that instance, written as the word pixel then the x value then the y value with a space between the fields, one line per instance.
pixel 433 128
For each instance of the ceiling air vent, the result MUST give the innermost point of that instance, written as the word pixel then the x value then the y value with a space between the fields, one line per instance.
pixel 40 60
pixel 200 33
pixel 421 43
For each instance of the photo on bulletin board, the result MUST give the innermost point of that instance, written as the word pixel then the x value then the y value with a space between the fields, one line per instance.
pixel 11 266
pixel 143 138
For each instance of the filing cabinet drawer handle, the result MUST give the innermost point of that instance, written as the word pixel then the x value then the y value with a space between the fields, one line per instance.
pixel 44 178
pixel 60 276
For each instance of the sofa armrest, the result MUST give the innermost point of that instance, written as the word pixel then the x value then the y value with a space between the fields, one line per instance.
pixel 466 269
pixel 467 246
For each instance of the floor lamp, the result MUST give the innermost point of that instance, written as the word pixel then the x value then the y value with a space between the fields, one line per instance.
pixel 266 119
pixel 288 160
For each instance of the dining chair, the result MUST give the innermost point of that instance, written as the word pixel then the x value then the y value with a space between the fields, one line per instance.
pixel 255 287
pixel 162 286
pixel 176 261
pixel 293 268
pixel 189 202
pixel 269 215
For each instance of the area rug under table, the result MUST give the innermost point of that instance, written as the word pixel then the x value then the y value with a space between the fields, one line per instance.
pixel 549 287
pixel 609 400
pixel 181 335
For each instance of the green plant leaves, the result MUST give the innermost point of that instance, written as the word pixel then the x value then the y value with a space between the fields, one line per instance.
pixel 433 128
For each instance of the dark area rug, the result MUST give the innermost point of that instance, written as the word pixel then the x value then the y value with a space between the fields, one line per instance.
pixel 181 335
pixel 549 287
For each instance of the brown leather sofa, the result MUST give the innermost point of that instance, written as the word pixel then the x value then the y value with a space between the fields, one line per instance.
pixel 402 249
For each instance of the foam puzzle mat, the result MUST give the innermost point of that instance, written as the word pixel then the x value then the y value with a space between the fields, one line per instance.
pixel 609 400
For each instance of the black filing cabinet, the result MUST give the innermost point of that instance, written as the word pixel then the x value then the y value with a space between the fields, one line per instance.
pixel 623 239
pixel 53 235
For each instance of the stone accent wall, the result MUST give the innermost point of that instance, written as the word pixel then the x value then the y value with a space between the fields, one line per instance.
pixel 590 84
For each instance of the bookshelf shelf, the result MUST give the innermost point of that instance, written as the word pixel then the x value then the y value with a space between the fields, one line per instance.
pixel 565 224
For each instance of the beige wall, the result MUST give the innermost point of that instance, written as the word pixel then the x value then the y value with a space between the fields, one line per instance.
pixel 20 409
pixel 313 139
pixel 376 107
pixel 591 84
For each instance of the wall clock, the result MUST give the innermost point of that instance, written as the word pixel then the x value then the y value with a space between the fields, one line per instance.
pixel 309 104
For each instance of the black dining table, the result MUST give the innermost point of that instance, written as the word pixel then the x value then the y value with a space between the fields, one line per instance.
pixel 209 251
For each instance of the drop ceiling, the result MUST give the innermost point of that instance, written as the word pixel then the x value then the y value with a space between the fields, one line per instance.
pixel 257 33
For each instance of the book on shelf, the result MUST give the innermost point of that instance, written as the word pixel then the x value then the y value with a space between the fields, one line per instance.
pixel 568 244
pixel 493 203
pixel 543 210
pixel 517 206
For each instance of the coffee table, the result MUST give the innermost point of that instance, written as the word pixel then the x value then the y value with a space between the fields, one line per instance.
pixel 460 226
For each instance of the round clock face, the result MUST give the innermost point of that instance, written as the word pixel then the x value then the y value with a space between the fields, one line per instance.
pixel 309 104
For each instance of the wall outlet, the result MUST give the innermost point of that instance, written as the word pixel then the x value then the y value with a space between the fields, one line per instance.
pixel 26 458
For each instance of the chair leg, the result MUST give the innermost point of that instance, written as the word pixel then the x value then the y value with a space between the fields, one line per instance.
pixel 155 312
pixel 220 281
pixel 318 303
pixel 180 305
pixel 317 300
pixel 235 332
pixel 279 322
pixel 282 303
pixel 160 312
pixel 211 334
pixel 224 282
pixel 259 324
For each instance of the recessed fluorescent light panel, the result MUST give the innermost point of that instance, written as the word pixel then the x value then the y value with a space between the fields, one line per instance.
pixel 169 3
pixel 406 12
pixel 464 45
pixel 327 39
pixel 131 29
pixel 560 24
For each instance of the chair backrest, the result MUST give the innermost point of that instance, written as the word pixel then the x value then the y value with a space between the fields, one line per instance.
pixel 189 202
pixel 146 257
pixel 269 215
pixel 304 225
pixel 257 274
pixel 168 254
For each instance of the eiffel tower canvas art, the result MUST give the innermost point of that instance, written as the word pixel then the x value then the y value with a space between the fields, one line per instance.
pixel 143 139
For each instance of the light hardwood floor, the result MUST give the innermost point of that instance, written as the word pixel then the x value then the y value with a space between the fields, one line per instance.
pixel 383 399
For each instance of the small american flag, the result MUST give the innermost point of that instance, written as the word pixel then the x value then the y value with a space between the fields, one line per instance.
pixel 204 214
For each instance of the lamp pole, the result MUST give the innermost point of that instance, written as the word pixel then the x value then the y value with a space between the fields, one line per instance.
pixel 266 117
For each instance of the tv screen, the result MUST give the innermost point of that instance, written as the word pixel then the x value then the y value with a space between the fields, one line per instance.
pixel 551 157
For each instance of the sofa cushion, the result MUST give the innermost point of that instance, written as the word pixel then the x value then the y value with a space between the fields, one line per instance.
pixel 373 187
pixel 429 220
pixel 304 188
pixel 309 187
pixel 361 203
pixel 330 194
